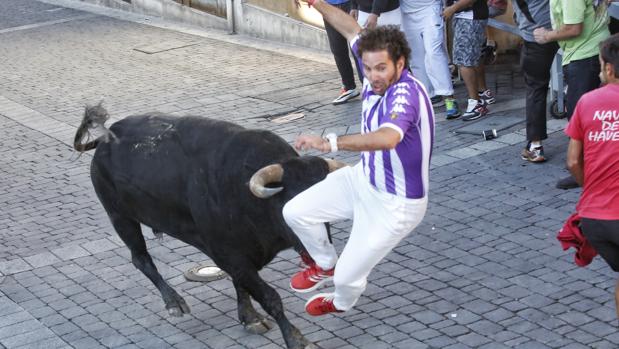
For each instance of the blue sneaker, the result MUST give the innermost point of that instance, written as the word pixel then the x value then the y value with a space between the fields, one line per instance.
pixel 453 112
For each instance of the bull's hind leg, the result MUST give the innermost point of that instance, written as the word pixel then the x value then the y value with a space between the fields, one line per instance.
pixel 248 316
pixel 271 302
pixel 130 232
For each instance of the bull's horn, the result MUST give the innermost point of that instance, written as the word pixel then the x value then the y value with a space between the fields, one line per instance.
pixel 264 176
pixel 335 165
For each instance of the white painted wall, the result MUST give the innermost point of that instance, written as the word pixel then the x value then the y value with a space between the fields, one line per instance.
pixel 167 9
pixel 248 19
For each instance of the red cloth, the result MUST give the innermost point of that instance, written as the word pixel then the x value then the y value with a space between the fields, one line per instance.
pixel 595 123
pixel 571 236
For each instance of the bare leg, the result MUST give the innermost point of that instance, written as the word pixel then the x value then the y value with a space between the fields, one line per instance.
pixel 480 72
pixel 469 75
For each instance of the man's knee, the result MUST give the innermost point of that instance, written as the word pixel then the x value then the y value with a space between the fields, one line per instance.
pixel 294 213
pixel 290 213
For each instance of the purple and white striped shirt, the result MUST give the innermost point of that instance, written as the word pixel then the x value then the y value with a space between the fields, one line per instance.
pixel 406 108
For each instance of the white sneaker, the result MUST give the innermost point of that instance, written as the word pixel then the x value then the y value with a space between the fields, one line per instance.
pixel 345 95
pixel 475 110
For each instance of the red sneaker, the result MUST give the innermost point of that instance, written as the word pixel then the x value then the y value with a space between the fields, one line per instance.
pixel 321 304
pixel 310 279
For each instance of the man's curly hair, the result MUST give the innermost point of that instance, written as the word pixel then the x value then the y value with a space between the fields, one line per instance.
pixel 389 38
pixel 609 51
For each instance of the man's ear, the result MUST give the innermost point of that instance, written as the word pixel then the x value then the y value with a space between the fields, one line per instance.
pixel 400 64
pixel 610 70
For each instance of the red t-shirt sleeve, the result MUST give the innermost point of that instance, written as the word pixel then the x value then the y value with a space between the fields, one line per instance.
pixel 574 128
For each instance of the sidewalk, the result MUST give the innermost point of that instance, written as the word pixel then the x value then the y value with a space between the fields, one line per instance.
pixel 483 270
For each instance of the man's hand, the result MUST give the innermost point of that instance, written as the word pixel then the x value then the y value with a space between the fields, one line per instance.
pixel 354 14
pixel 306 142
pixel 448 12
pixel 541 35
pixel 371 22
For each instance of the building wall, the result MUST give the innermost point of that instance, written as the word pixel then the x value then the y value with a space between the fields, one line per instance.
pixel 215 7
pixel 268 19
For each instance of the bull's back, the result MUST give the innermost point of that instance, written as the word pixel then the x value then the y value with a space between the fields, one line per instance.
pixel 160 165
pixel 150 165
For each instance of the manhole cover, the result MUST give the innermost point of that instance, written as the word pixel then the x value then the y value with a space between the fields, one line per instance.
pixel 204 273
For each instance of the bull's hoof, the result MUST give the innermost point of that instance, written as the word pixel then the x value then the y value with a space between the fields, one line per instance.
pixel 178 308
pixel 261 326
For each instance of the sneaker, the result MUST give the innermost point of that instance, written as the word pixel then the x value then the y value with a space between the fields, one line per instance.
pixel 321 304
pixel 533 154
pixel 453 111
pixel 310 278
pixel 345 95
pixel 475 110
pixel 437 101
pixel 487 96
pixel 567 183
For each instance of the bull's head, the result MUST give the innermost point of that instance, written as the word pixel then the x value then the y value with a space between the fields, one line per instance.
pixel 310 171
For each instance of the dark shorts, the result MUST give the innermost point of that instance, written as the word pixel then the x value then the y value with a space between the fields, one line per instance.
pixel 603 235
pixel 469 38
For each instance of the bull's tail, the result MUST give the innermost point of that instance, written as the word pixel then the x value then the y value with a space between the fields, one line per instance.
pixel 94 119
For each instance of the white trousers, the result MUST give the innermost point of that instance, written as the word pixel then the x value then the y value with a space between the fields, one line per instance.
pixel 380 221
pixel 385 18
pixel 425 32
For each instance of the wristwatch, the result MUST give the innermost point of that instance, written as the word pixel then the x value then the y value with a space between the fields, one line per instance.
pixel 332 138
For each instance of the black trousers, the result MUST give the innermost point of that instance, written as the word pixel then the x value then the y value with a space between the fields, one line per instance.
pixel 339 48
pixel 603 235
pixel 613 26
pixel 583 76
pixel 536 60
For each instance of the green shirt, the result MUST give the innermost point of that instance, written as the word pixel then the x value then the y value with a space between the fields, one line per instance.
pixel 594 31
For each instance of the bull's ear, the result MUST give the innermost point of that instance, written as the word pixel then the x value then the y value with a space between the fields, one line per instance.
pixel 335 164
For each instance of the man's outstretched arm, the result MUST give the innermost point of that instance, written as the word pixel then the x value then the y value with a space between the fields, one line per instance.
pixel 340 20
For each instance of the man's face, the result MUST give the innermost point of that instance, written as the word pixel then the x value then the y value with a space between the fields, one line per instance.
pixel 380 70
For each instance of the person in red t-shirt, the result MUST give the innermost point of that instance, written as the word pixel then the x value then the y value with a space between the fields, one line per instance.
pixel 593 158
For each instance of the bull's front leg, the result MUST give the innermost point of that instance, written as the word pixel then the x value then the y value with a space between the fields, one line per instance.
pixel 130 232
pixel 174 303
pixel 252 320
pixel 270 301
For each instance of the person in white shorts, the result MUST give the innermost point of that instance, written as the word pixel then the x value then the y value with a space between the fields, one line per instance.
pixel 386 193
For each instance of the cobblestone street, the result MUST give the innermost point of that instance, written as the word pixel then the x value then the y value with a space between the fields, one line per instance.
pixel 483 270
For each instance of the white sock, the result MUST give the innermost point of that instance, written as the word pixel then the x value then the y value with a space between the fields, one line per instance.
pixel 472 104
pixel 534 145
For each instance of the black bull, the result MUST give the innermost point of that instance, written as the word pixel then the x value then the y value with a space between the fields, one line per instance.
pixel 210 184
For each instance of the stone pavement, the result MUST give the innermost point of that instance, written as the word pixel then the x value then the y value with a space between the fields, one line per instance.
pixel 482 271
